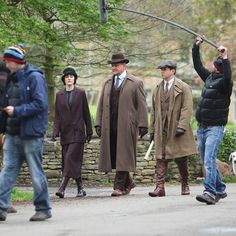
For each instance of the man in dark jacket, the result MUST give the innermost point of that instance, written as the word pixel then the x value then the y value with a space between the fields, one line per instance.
pixel 26 108
pixel 3 79
pixel 212 115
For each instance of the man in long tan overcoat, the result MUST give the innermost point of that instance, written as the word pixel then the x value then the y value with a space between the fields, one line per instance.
pixel 121 116
pixel 170 126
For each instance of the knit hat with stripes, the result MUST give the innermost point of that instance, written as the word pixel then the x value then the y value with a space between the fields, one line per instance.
pixel 15 53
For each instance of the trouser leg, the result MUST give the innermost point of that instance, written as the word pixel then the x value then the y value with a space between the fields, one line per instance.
pixel 161 171
pixel 33 149
pixel 61 191
pixel 182 164
pixel 12 161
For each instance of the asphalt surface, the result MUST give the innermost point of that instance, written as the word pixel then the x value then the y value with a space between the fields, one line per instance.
pixel 134 214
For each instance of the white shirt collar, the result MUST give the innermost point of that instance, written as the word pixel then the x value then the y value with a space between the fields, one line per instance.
pixel 122 75
pixel 170 82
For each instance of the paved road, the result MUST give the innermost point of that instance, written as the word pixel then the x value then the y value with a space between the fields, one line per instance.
pixel 135 214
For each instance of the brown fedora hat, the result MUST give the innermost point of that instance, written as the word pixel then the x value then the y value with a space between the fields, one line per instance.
pixel 118 58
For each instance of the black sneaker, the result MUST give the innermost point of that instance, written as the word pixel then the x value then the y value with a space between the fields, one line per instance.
pixel 40 216
pixel 206 199
pixel 220 196
pixel 3 215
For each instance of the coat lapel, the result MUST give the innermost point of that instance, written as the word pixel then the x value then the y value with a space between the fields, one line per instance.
pixel 75 97
pixel 64 100
pixel 177 90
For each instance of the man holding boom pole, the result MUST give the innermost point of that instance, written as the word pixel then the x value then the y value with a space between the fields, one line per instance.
pixel 212 115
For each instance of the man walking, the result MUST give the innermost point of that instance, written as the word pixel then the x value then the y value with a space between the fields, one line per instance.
pixel 4 72
pixel 121 115
pixel 170 127
pixel 26 110
pixel 212 115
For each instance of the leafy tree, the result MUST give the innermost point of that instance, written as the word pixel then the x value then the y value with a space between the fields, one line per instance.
pixel 55 31
pixel 216 20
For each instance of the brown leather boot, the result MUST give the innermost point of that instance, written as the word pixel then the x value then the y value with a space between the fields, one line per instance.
pixel 119 183
pixel 182 164
pixel 11 209
pixel 185 189
pixel 161 170
pixel 158 192
pixel 130 184
pixel 61 191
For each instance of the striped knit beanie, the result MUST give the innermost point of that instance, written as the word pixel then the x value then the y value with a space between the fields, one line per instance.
pixel 15 53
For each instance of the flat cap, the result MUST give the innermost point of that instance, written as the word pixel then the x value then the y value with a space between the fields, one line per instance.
pixel 168 63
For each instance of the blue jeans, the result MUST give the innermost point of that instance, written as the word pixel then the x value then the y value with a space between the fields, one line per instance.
pixel 209 140
pixel 15 152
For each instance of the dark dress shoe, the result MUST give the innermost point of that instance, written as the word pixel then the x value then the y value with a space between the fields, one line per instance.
pixel 118 193
pixel 11 209
pixel 158 192
pixel 185 189
pixel 60 194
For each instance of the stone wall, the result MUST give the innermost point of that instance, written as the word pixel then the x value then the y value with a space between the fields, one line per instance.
pixel 145 171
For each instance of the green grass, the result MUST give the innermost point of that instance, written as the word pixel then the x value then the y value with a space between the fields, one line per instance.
pixel 229 180
pixel 18 195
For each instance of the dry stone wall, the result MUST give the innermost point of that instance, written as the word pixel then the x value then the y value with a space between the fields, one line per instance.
pixel 144 174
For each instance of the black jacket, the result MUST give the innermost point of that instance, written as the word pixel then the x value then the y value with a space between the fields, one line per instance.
pixel 213 107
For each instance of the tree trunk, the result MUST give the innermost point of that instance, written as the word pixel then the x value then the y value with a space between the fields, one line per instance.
pixel 49 67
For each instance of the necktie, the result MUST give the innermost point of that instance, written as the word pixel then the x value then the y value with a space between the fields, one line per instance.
pixel 166 87
pixel 117 82
pixel 69 97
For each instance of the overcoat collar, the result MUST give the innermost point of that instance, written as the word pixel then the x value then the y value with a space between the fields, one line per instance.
pixel 111 79
pixel 64 98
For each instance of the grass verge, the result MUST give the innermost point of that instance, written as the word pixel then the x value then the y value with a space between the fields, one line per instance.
pixel 21 196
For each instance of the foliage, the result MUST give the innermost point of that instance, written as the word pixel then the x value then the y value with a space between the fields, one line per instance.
pixel 18 195
pixel 216 20
pixel 229 180
pixel 93 110
pixel 227 146
pixel 58 33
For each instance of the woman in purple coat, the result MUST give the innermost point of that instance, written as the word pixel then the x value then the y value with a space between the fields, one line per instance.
pixel 72 124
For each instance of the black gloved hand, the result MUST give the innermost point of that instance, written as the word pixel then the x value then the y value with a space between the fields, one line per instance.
pixel 151 137
pixel 53 138
pixel 142 131
pixel 98 131
pixel 89 137
pixel 179 132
